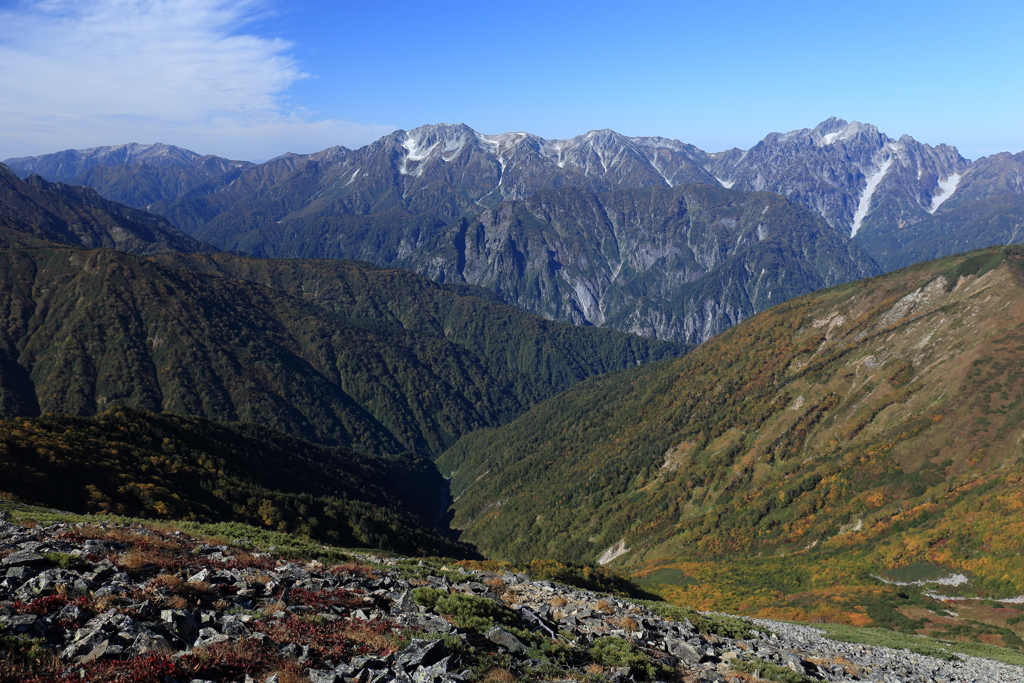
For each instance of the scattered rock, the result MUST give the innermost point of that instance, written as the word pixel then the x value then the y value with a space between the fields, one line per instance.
pixel 257 606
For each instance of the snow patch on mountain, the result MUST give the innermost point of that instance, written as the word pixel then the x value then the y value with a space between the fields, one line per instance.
pixel 828 139
pixel 946 189
pixel 727 184
pixel 555 150
pixel 415 151
pixel 661 172
pixel 869 190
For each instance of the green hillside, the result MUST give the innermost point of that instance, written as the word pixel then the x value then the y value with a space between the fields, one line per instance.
pixel 338 353
pixel 840 434
pixel 127 462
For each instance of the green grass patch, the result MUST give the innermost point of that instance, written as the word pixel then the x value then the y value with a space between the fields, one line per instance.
pixel 920 644
pixel 469 612
pixel 919 571
pixel 614 651
pixel 986 651
pixel 65 560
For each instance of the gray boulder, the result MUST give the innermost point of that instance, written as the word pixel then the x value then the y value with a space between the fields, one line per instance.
pixel 500 636
pixel 420 652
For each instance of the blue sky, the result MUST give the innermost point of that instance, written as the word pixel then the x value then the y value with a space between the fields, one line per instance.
pixel 255 78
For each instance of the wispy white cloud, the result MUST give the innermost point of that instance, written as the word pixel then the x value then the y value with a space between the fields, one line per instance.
pixel 80 73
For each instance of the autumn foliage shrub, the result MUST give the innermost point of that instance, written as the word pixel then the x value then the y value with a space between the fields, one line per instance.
pixel 48 604
pixel 325 598
pixel 334 641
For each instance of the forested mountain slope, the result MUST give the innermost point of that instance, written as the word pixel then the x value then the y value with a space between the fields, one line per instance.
pixel 334 352
pixel 879 420
pixel 36 211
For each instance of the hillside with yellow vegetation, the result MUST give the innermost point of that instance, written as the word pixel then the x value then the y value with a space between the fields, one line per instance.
pixel 868 428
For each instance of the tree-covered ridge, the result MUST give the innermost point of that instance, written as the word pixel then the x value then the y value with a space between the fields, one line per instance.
pixel 337 353
pixel 37 210
pixel 876 416
pixel 164 466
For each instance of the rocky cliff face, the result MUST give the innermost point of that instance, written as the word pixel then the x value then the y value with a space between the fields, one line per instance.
pixel 684 263
pixel 680 263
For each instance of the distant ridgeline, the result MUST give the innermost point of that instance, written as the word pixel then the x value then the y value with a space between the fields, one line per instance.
pixel 640 234
pixel 875 424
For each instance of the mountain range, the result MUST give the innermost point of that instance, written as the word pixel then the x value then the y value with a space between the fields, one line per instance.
pixel 504 211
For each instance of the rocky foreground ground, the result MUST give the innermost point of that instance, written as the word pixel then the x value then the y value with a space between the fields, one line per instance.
pixel 102 602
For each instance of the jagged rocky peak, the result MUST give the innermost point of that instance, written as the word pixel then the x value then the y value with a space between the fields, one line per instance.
pixel 854 175
pixel 508 143
pixel 594 152
pixel 600 141
pixel 330 154
pixel 666 143
pixel 451 138
pixel 834 130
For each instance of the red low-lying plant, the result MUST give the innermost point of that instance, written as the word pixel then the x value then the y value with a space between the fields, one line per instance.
pixel 351 569
pixel 143 669
pixel 334 640
pixel 232 660
pixel 144 558
pixel 246 560
pixel 49 604
pixel 327 597
pixel 224 661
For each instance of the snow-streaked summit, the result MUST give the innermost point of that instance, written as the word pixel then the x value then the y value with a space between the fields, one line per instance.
pixel 519 163
pixel 851 173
